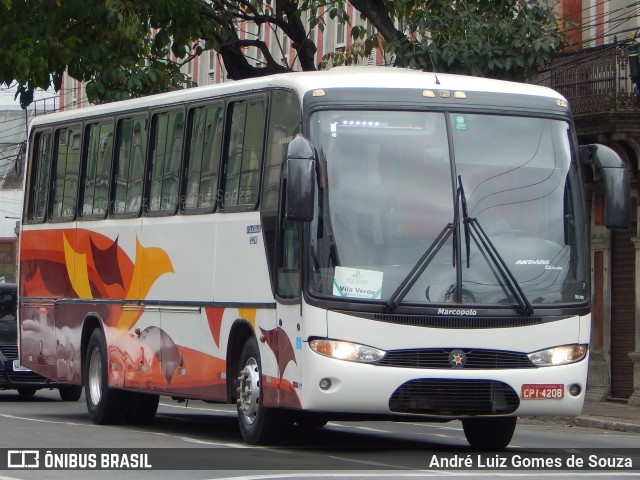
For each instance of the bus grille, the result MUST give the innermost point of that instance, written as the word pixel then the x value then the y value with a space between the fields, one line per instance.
pixel 9 350
pixel 461 322
pixel 452 397
pixel 439 358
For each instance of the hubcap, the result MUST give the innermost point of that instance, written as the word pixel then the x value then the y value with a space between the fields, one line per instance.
pixel 249 391
pixel 95 377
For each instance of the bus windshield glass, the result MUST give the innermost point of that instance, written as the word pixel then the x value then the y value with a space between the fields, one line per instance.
pixel 396 185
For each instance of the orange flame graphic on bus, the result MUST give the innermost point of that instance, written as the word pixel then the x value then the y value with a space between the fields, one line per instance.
pixel 88 265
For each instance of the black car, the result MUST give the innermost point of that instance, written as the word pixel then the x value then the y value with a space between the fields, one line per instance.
pixel 14 376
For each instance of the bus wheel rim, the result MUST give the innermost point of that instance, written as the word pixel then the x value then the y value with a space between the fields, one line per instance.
pixel 95 377
pixel 249 391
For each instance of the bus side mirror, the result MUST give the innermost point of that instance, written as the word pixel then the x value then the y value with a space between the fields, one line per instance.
pixel 616 183
pixel 301 179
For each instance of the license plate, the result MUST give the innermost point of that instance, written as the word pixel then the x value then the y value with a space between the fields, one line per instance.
pixel 19 368
pixel 542 391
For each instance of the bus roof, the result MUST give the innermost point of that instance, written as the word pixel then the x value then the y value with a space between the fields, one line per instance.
pixel 339 77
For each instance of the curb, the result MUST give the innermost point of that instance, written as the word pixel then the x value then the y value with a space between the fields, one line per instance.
pixel 596 422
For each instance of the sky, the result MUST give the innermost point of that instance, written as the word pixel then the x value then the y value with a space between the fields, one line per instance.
pixel 7 95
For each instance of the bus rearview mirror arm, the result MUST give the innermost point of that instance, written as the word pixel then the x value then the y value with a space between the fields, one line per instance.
pixel 301 179
pixel 616 183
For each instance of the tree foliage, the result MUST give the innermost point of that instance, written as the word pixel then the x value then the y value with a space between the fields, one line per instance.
pixel 124 48
pixel 507 39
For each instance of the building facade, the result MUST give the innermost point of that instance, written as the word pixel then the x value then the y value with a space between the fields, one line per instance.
pixel 595 74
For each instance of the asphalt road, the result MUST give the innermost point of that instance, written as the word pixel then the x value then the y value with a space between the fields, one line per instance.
pixel 203 441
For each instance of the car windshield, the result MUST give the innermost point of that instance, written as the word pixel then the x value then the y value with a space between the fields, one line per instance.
pixel 390 186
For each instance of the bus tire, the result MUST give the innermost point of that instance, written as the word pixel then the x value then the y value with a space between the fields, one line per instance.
pixel 140 408
pixel 258 425
pixel 105 405
pixel 489 433
pixel 70 394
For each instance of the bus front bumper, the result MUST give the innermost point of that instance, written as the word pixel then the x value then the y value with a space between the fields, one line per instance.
pixel 337 386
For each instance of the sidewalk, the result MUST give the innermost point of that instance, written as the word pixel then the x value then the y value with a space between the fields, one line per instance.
pixel 608 415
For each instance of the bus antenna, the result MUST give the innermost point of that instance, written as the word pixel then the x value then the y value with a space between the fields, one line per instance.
pixel 435 72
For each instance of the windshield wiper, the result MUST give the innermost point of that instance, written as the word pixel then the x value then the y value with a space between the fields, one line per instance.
pixel 418 269
pixel 472 228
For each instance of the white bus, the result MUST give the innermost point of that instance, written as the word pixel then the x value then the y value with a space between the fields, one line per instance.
pixel 351 244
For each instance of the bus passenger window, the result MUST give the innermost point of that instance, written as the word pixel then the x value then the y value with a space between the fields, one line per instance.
pixel 244 156
pixel 67 161
pixel 40 176
pixel 203 158
pixel 165 161
pixel 96 186
pixel 131 153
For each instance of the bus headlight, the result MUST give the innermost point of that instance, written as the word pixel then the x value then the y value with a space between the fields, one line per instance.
pixel 562 355
pixel 349 351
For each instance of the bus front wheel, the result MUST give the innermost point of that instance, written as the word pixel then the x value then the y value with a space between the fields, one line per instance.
pixel 259 425
pixel 140 408
pixel 489 433
pixel 104 404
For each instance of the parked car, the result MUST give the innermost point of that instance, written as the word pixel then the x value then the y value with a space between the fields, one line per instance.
pixel 14 376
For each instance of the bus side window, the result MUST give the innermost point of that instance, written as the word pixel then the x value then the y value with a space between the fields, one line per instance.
pixel 203 158
pixel 40 176
pixel 166 158
pixel 131 152
pixel 96 186
pixel 67 169
pixel 244 154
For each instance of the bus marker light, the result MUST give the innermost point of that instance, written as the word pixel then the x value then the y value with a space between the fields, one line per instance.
pixel 428 94
pixel 318 93
pixel 461 95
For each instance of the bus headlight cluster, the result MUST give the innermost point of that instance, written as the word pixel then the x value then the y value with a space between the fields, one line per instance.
pixel 349 351
pixel 562 355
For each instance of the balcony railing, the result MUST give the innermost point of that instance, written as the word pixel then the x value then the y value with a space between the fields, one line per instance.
pixel 593 80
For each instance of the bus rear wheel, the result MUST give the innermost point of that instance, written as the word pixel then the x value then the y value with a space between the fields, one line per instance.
pixel 489 433
pixel 259 425
pixel 104 404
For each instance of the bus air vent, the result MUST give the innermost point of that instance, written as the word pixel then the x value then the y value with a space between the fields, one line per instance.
pixel 435 321
pixel 453 397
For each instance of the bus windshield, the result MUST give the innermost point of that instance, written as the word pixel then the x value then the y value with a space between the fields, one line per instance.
pixel 395 185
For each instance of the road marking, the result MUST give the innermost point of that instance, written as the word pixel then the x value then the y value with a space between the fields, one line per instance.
pixel 44 421
pixel 367 429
